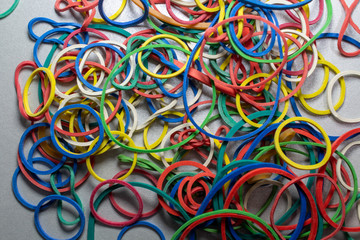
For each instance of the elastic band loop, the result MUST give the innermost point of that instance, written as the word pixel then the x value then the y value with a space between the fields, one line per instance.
pixel 10 10
pixel 62 198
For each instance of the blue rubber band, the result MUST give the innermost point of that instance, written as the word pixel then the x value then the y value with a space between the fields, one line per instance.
pixel 16 191
pixel 336 36
pixel 23 159
pixel 130 23
pixel 61 198
pixel 251 52
pixel 53 24
pixel 15 187
pixel 142 223
pixel 60 182
pixel 42 38
pixel 81 127
pixel 55 142
pixel 260 4
pixel 31 154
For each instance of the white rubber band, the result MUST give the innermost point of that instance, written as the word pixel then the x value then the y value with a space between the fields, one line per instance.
pixel 329 97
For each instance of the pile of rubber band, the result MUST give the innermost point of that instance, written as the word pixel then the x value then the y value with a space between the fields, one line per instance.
pixel 219 78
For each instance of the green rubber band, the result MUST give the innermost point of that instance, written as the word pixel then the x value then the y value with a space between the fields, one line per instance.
pixel 73 193
pixel 10 10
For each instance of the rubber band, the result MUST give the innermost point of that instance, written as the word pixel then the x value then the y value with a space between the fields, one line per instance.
pixel 336 226
pixel 158 75
pixel 166 172
pixel 30 156
pixel 169 20
pixel 82 7
pixel 16 189
pixel 316 19
pixel 338 166
pixel 224 213
pixel 120 209
pixel 26 162
pixel 53 23
pixel 19 68
pixel 131 143
pixel 48 188
pixel 79 66
pixel 285 136
pixel 329 98
pixel 162 145
pixel 323 169
pixel 51 95
pixel 115 15
pixel 160 139
pixel 62 53
pixel 44 36
pixel 184 96
pixel 266 182
pixel 102 114
pixel 62 198
pixel 192 205
pixel 73 193
pixel 173 15
pixel 302 96
pixel 68 99
pixel 289 161
pixel 10 10
pixel 142 223
pixel 346 7
pixel 55 140
pixel 314 59
pixel 112 223
pixel 344 27
pixel 253 173
pixel 125 24
pixel 136 184
pixel 245 118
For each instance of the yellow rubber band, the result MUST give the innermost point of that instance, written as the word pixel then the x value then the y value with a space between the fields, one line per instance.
pixel 243 115
pixel 162 135
pixel 160 76
pixel 341 100
pixel 221 14
pixel 133 165
pixel 288 160
pixel 206 9
pixel 112 17
pixel 49 77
